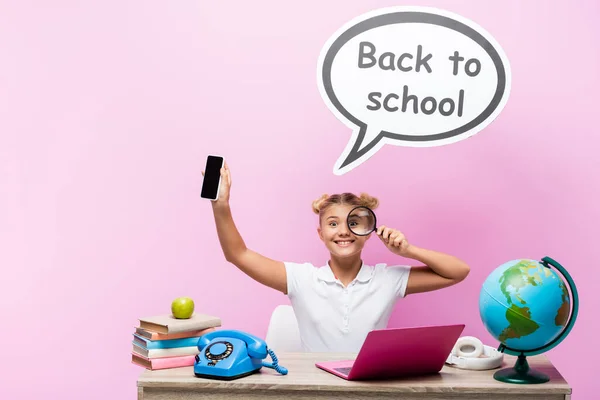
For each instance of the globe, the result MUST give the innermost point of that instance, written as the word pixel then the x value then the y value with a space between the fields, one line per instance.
pixel 525 305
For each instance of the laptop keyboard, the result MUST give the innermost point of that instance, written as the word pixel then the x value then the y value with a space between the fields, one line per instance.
pixel 345 370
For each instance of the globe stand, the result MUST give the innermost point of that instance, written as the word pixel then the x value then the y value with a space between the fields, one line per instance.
pixel 521 373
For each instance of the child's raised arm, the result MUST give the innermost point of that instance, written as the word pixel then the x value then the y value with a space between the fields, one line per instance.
pixel 264 270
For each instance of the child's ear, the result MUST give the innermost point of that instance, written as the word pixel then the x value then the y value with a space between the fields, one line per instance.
pixel 320 233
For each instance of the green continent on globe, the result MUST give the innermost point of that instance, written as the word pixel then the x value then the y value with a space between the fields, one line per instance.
pixel 518 277
pixel 519 318
pixel 519 323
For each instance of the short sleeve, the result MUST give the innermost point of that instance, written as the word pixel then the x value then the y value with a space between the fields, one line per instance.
pixel 298 276
pixel 398 275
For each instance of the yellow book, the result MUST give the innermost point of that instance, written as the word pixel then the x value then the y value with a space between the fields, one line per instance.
pixel 168 324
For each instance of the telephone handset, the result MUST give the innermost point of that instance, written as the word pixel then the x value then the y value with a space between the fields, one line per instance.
pixel 256 347
pixel 232 354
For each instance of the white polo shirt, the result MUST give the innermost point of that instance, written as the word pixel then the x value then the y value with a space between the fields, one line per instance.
pixel 335 318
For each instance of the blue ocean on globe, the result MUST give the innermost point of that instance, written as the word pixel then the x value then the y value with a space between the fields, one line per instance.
pixel 524 305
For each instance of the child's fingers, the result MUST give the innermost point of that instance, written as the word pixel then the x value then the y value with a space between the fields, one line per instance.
pixel 386 234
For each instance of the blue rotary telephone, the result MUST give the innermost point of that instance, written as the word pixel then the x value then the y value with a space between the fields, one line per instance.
pixel 231 354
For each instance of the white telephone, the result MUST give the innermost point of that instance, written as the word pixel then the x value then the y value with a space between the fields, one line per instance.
pixel 470 353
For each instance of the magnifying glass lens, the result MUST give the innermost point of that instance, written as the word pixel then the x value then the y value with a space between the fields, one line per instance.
pixel 361 221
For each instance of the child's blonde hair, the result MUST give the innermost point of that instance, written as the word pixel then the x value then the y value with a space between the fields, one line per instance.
pixel 325 201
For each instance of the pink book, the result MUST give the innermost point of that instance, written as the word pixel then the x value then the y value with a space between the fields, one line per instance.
pixel 162 363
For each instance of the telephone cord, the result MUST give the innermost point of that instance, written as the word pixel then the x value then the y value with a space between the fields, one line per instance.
pixel 275 365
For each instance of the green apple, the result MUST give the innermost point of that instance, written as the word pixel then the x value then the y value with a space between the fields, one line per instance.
pixel 182 307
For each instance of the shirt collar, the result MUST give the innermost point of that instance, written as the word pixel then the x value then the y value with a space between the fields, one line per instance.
pixel 326 274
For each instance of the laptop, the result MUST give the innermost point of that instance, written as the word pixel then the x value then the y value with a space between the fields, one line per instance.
pixel 398 352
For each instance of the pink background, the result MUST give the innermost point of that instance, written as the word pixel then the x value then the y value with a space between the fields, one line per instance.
pixel 107 113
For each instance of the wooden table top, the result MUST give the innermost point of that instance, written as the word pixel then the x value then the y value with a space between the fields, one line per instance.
pixel 304 375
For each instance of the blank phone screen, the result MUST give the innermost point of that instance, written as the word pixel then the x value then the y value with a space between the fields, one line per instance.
pixel 212 175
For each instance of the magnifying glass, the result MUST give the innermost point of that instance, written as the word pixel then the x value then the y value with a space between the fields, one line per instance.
pixel 361 221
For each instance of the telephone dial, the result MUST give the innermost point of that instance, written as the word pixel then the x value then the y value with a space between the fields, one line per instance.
pixel 232 354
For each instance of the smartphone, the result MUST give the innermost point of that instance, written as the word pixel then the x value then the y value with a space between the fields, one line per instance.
pixel 212 177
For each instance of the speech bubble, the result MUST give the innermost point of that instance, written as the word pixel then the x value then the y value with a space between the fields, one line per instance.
pixel 411 76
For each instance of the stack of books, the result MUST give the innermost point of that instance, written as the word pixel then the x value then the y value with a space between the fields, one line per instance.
pixel 163 341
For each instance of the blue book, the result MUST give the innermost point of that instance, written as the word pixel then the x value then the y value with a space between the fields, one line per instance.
pixel 165 344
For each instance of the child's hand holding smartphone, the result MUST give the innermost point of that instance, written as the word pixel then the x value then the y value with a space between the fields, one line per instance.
pixel 217 180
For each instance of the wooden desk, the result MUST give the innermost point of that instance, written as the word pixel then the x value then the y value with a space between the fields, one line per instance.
pixel 305 381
